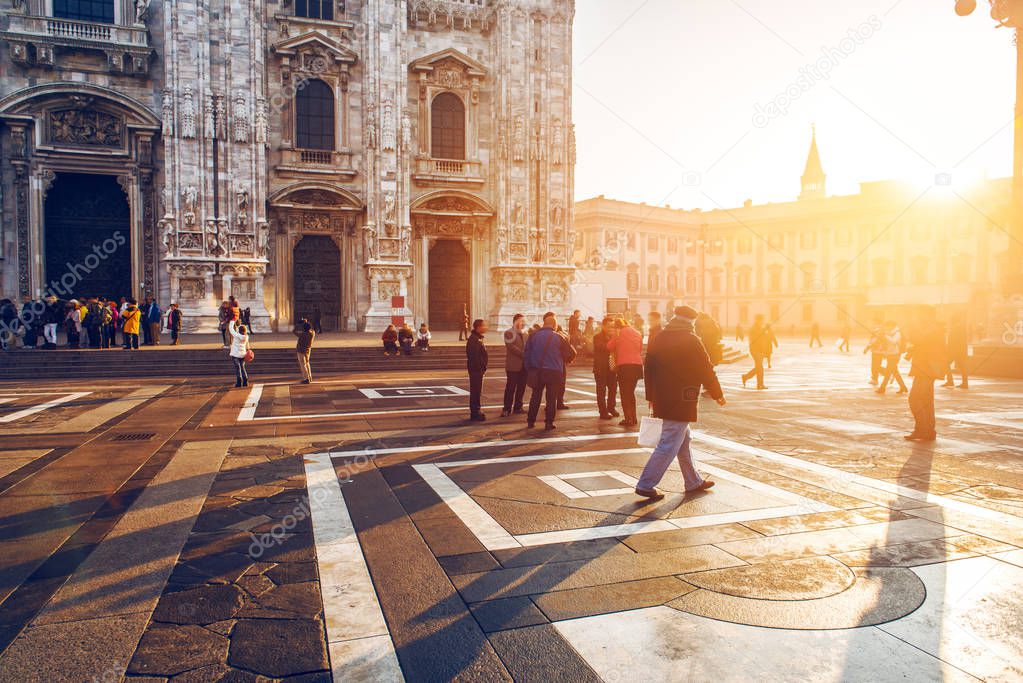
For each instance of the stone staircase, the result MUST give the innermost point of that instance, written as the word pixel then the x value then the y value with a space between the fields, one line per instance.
pixel 185 362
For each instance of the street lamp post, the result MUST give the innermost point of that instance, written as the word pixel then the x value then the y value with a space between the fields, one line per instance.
pixel 1009 14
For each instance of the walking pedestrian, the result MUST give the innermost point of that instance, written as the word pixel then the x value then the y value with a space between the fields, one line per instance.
pixel 928 356
pixel 958 353
pixel 476 363
pixel 514 366
pixel 627 346
pixel 772 343
pixel 654 326
pixel 709 332
pixel 875 346
pixel 547 353
pixel 423 337
pixel 463 329
pixel 604 374
pixel 174 318
pixel 390 340
pixel 677 365
pixel 575 335
pixel 131 321
pixel 815 335
pixel 893 348
pixel 843 342
pixel 759 348
pixel 740 333
pixel 304 348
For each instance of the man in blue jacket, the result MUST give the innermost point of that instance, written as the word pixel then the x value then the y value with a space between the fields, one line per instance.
pixel 547 353
pixel 153 318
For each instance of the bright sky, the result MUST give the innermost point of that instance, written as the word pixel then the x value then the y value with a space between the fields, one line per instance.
pixel 666 93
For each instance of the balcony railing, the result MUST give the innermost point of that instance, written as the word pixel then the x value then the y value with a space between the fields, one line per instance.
pixel 71 32
pixel 319 162
pixel 448 171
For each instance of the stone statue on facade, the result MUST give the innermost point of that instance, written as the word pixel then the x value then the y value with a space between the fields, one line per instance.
pixel 168 238
pixel 242 203
pixel 191 196
pixel 263 241
pixel 406 241
pixel 213 247
pixel 141 10
pixel 369 241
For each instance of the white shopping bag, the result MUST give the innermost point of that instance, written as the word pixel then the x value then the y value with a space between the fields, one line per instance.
pixel 650 431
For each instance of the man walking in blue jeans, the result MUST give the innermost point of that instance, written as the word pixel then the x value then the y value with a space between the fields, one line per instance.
pixel 676 367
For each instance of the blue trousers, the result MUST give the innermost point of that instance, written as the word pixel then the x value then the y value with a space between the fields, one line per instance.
pixel 674 443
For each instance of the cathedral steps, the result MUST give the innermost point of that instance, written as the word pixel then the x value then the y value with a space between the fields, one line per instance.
pixel 184 362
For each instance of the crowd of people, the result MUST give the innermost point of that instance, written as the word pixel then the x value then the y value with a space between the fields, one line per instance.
pixel 678 362
pixel 90 322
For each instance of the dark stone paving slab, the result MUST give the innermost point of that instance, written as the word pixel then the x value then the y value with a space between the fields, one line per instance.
pixel 256 597
pixel 498 615
pixel 584 602
pixel 468 564
pixel 435 635
pixel 681 538
pixel 539 653
pixel 166 650
pixel 561 552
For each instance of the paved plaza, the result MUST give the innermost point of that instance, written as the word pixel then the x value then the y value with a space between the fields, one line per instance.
pixel 361 529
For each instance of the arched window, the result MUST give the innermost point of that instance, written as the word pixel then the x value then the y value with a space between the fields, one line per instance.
pixel 447 135
pixel 314 9
pixel 314 116
pixel 100 11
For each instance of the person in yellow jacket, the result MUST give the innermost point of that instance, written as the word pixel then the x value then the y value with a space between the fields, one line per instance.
pixel 131 319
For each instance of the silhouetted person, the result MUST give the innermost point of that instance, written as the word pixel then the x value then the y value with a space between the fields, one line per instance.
pixel 709 332
pixel 815 335
pixel 604 370
pixel 843 342
pixel 759 349
pixel 892 349
pixel 769 331
pixel 929 362
pixel 463 328
pixel 740 333
pixel 958 352
pixel 476 361
pixel 654 326
pixel 876 347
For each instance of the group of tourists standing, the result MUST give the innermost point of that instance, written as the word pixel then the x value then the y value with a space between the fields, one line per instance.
pixel 89 322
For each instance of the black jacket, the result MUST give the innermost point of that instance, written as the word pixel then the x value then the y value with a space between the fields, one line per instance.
pixel 476 353
pixel 601 356
pixel 677 366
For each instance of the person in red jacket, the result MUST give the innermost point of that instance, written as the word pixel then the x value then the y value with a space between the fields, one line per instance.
pixel 677 365
pixel 626 344
pixel 390 339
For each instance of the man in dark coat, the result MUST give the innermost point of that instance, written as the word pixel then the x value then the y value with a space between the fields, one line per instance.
pixel 604 372
pixel 929 362
pixel 476 360
pixel 958 352
pixel 514 368
pixel 676 366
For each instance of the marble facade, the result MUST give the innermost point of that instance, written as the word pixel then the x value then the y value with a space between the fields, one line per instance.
pixel 193 106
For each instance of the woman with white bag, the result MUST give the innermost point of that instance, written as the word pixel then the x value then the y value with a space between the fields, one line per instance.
pixel 677 366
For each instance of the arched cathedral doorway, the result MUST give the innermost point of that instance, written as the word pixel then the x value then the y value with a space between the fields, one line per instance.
pixel 87 237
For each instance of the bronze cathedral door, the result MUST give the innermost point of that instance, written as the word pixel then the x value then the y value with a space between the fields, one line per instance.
pixel 316 266
pixel 449 284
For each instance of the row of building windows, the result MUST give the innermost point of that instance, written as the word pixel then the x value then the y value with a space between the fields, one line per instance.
pixel 881 275
pixel 315 121
pixel 102 11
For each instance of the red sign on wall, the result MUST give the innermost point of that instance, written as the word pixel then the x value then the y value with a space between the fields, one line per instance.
pixel 397 310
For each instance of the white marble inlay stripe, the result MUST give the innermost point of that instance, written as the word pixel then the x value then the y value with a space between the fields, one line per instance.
pixel 44 406
pixel 562 487
pixel 1013 419
pixel 355 623
pixel 487 529
pixel 851 478
pixel 248 411
pixel 846 426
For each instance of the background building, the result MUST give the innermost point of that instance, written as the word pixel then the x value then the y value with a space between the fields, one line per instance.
pixel 834 260
pixel 303 156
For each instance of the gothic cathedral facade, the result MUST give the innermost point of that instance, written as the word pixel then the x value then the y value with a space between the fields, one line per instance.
pixel 349 160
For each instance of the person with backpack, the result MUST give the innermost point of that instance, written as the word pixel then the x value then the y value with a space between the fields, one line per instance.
pixel 108 324
pixel 174 318
pixel 153 319
pixel 240 352
pixel 93 321
pixel 131 322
